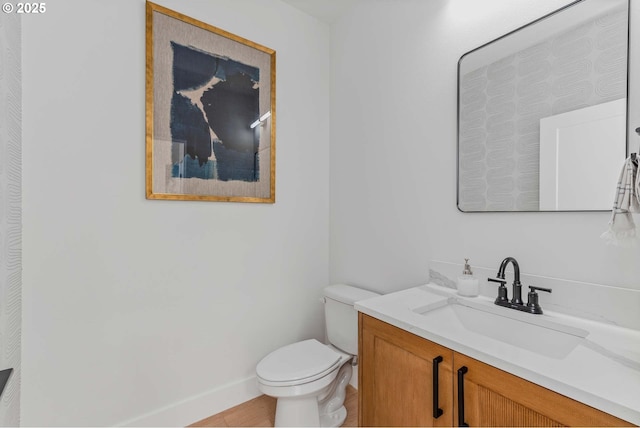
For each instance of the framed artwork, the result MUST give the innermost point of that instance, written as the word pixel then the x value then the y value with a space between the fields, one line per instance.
pixel 210 112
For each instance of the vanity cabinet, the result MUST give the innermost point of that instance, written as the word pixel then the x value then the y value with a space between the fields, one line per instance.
pixel 397 372
pixel 397 378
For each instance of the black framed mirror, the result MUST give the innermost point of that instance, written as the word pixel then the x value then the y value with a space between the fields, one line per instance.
pixel 542 113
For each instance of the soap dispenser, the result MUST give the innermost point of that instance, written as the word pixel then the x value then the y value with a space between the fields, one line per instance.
pixel 467 283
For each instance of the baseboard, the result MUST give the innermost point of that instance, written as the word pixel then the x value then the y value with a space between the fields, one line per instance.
pixel 198 407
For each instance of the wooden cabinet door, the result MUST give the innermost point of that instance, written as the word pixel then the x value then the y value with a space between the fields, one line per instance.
pixel 493 397
pixel 395 378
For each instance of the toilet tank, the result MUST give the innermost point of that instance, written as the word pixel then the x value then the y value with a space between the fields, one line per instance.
pixel 340 316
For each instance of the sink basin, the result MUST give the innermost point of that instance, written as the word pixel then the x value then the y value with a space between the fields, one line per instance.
pixel 535 333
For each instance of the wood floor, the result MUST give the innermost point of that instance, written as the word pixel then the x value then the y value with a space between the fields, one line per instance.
pixel 261 412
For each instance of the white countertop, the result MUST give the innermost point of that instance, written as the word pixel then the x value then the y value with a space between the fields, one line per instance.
pixel 603 371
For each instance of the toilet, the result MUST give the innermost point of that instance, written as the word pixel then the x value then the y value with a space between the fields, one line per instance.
pixel 309 378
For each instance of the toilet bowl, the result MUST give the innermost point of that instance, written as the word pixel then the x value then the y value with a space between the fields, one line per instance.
pixel 301 376
pixel 308 378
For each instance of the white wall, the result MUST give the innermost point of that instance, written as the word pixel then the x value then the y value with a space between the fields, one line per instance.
pixel 134 310
pixel 393 155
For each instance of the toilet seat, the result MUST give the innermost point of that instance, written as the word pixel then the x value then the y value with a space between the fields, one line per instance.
pixel 298 363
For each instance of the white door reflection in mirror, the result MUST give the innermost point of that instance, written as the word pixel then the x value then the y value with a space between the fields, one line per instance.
pixel 581 158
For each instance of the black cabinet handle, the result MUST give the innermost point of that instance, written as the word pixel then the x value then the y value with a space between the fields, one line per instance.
pixel 437 411
pixel 461 371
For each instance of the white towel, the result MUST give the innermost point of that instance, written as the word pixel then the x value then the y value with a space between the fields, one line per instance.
pixel 622 229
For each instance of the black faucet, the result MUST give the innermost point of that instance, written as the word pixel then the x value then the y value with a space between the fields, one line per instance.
pixel 517 286
pixel 532 305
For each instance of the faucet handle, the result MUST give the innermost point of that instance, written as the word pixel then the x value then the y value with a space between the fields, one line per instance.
pixel 533 289
pixel 502 290
pixel 532 299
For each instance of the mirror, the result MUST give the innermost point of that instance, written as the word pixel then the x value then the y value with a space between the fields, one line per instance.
pixel 542 113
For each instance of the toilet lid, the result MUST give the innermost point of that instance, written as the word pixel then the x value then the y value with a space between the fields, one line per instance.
pixel 297 361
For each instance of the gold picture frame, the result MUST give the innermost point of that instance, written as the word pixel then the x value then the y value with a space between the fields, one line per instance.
pixel 210 112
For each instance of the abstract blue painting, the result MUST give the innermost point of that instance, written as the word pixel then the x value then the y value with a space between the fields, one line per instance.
pixel 215 100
